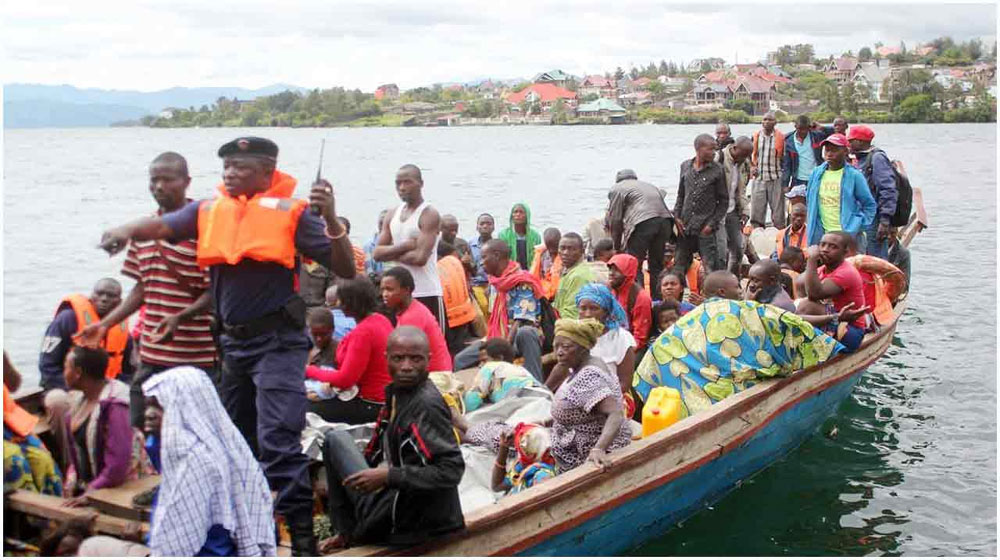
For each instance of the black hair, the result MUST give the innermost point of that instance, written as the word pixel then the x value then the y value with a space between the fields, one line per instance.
pixel 668 272
pixel 358 296
pixel 444 249
pixel 487 214
pixel 791 254
pixel 603 244
pixel 79 528
pixel 346 223
pixel 401 275
pixel 573 235
pixel 803 120
pixel 319 316
pixel 702 139
pixel 498 245
pixel 93 362
pixel 787 283
pixel 665 305
pixel 499 349
pixel 172 158
pixel 410 168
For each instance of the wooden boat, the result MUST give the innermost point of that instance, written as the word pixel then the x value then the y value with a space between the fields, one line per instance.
pixel 657 482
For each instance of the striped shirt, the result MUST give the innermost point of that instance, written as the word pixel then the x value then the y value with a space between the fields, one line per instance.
pixel 769 166
pixel 164 295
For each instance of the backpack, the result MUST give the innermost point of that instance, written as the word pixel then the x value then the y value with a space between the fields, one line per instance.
pixel 904 198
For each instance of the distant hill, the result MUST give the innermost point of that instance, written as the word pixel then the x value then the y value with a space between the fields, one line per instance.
pixel 33 105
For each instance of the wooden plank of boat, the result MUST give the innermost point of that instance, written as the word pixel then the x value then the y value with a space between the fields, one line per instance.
pixel 50 507
pixel 117 501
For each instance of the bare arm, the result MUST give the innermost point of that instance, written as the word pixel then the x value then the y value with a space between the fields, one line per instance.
pixel 341 254
pixel 94 333
pixel 430 227
pixel 11 377
pixel 625 370
pixel 615 417
pixel 556 377
pixel 384 249
pixel 817 289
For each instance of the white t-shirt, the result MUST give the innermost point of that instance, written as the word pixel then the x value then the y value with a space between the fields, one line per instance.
pixel 611 347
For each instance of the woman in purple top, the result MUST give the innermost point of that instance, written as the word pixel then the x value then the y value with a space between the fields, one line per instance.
pixel 587 417
pixel 99 445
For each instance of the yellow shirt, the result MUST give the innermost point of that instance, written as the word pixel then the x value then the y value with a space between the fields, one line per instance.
pixel 829 199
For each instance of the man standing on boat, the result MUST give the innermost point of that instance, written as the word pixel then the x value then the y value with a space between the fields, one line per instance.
pixel 878 171
pixel 765 170
pixel 735 162
pixel 263 338
pixel 702 201
pixel 176 330
pixel 74 313
pixel 409 238
pixel 803 153
pixel 640 222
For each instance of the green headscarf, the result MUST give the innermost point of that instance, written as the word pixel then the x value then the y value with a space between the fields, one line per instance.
pixel 509 236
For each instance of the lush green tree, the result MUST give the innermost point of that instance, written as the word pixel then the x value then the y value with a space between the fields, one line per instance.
pixel 865 54
pixel 916 108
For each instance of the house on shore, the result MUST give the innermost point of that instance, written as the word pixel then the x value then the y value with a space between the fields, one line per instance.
pixel 842 69
pixel 544 94
pixel 599 86
pixel 873 76
pixel 387 91
pixel 554 77
pixel 605 109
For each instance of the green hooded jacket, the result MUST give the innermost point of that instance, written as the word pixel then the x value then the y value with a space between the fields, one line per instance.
pixel 531 236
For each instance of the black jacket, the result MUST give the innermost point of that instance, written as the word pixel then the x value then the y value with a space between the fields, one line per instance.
pixel 414 434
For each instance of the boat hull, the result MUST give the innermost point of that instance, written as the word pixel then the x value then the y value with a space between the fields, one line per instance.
pixel 654 513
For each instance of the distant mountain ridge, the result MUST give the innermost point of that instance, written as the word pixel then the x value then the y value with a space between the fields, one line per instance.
pixel 35 105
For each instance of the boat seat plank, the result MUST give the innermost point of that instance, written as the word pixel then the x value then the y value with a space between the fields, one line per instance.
pixel 50 507
pixel 117 501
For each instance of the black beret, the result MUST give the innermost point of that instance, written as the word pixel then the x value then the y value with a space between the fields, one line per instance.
pixel 250 146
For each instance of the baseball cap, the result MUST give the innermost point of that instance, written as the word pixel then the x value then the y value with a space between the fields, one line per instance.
pixel 837 140
pixel 860 132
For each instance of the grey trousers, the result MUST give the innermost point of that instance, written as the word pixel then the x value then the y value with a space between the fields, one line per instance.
pixel 705 245
pixel 764 194
pixel 730 240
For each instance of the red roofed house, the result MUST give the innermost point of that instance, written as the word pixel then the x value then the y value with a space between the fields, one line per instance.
pixel 387 91
pixel 639 84
pixel 754 89
pixel 886 51
pixel 543 94
pixel 599 86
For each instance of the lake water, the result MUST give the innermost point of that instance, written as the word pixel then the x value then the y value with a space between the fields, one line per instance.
pixel 912 467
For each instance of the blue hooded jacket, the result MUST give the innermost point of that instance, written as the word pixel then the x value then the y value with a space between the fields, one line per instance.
pixel 857 206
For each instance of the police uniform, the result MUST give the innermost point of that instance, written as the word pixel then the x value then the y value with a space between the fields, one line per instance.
pixel 249 246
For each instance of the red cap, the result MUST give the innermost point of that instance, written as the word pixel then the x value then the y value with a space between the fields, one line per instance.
pixel 860 132
pixel 836 140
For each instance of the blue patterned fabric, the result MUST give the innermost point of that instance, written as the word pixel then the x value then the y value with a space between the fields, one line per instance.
pixel 614 314
pixel 723 347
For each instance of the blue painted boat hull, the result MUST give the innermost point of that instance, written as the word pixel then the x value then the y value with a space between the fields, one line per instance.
pixel 654 513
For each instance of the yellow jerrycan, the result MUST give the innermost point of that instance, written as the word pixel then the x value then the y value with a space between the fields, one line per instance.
pixel 662 408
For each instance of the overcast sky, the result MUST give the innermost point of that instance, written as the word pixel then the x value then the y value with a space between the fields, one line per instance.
pixel 149 45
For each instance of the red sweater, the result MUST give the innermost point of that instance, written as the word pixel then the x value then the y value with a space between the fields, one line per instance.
pixel 417 315
pixel 362 361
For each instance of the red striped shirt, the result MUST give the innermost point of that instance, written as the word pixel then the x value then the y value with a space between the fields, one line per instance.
pixel 164 295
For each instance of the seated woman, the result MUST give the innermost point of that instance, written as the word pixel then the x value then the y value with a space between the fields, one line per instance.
pixel 99 445
pixel 671 288
pixel 360 357
pixel 587 419
pixel 616 346
pixel 532 463
pixel 727 345
pixel 213 499
pixel 397 294
pixel 27 464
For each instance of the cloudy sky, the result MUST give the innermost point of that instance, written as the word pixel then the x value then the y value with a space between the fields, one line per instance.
pixel 149 45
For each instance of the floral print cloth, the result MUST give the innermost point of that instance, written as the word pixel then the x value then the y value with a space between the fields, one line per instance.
pixel 723 347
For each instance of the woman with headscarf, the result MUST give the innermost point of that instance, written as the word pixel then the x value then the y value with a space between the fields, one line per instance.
pixel 587 420
pixel 213 498
pixel 520 237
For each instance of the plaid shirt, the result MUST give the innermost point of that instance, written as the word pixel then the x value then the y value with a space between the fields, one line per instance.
pixel 769 167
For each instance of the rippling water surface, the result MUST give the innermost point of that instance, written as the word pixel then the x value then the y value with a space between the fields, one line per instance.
pixel 911 468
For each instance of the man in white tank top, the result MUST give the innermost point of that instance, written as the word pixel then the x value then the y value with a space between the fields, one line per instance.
pixel 409 238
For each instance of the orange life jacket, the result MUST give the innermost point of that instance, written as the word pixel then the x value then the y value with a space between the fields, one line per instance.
pixel 261 228
pixel 114 342
pixel 549 281
pixel 883 281
pixel 693 276
pixel 455 291
pixel 801 243
pixel 20 421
